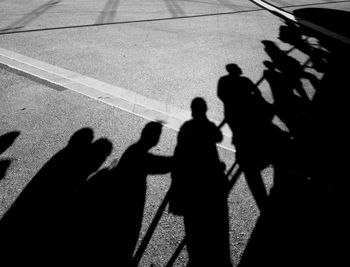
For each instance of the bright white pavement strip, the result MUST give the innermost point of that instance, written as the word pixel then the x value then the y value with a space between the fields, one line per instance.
pixel 171 116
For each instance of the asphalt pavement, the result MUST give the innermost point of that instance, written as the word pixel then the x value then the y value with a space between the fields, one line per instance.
pixel 155 56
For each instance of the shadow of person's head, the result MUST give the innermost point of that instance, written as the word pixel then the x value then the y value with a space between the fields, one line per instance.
pixel 84 155
pixel 81 138
pixel 199 108
pixel 150 134
pixel 290 34
pixel 271 48
pixel 234 69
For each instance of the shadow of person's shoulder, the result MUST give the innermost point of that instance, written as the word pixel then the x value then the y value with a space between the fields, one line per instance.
pixel 7 140
pixel 99 180
pixel 4 165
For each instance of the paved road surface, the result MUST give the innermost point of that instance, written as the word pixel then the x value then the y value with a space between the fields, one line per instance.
pixel 167 51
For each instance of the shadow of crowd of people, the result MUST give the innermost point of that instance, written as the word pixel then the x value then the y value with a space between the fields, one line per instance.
pixel 304 222
pixel 74 211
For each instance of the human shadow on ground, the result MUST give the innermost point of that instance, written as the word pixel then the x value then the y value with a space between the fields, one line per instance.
pixel 114 201
pixel 291 68
pixel 41 225
pixel 291 108
pixel 304 222
pixel 6 141
pixel 199 190
pixel 257 140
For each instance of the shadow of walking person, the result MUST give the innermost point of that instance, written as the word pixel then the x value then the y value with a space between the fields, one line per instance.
pixel 257 140
pixel 291 68
pixel 289 107
pixel 291 34
pixel 199 190
pixel 115 200
pixel 40 224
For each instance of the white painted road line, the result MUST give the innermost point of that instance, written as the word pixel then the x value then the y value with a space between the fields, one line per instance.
pixel 150 109
pixel 305 23
pixel 273 8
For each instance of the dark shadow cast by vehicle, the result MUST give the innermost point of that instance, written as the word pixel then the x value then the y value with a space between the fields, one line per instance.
pixel 305 223
pixel 329 109
pixel 41 225
pixel 6 141
pixel 199 190
pixel 115 199
pixel 34 14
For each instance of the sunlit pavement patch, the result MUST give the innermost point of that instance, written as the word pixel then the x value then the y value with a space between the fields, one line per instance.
pixel 172 117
